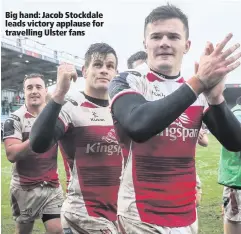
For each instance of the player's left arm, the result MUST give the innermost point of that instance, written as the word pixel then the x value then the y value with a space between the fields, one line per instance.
pixel 223 124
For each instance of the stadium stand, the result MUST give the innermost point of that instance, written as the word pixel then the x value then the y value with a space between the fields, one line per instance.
pixel 21 56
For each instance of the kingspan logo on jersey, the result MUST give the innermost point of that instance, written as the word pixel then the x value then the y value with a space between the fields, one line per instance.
pixel 109 145
pixel 95 117
pixel 178 130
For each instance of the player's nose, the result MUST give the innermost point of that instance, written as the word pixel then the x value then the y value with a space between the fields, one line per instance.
pixel 165 42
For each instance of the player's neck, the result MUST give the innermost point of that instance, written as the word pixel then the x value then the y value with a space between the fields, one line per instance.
pixel 103 95
pixel 167 72
pixel 169 77
pixel 35 110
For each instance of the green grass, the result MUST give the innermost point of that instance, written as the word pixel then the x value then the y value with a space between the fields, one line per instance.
pixel 210 220
pixel 7 222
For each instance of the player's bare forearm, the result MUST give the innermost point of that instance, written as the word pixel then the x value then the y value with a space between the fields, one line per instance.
pixel 224 126
pixel 17 150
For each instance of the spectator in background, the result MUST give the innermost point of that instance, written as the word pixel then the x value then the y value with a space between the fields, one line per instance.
pixel 230 177
pixel 18 99
pixel 136 59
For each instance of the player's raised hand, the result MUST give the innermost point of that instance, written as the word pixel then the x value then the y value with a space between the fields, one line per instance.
pixel 215 63
pixel 213 95
pixel 65 74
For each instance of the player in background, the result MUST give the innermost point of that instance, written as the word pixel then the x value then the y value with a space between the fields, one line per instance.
pixel 202 141
pixel 230 177
pixel 84 127
pixel 35 189
pixel 136 59
pixel 162 114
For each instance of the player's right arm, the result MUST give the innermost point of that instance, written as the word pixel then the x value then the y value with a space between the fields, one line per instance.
pixel 49 127
pixel 141 119
pixel 15 148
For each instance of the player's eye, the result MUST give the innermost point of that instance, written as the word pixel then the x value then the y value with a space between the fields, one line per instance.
pixel 97 64
pixel 156 37
pixel 173 37
pixel 110 66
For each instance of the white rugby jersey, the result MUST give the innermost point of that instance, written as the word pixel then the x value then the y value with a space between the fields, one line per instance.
pixel 34 169
pixel 159 179
pixel 90 141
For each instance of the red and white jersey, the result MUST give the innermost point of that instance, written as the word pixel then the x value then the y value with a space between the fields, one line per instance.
pixel 68 165
pixel 91 143
pixel 34 169
pixel 159 179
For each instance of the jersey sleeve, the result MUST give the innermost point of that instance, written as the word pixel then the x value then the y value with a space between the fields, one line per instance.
pixel 12 128
pixel 66 112
pixel 237 113
pixel 126 83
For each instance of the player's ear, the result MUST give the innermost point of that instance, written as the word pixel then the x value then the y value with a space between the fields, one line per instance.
pixel 84 71
pixel 187 46
pixel 144 44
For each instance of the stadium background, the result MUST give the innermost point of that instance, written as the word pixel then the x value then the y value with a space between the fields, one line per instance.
pixel 21 56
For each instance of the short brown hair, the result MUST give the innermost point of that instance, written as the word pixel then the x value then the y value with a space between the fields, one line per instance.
pixel 34 75
pixel 167 12
pixel 99 48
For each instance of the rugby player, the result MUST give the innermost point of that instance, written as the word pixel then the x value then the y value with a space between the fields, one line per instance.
pixel 230 176
pixel 158 116
pixel 35 189
pixel 136 59
pixel 84 127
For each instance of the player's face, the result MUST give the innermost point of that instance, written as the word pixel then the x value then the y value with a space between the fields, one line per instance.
pixel 34 92
pixel 166 43
pixel 101 70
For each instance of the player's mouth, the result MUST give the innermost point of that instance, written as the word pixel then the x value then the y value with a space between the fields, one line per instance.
pixel 165 54
pixel 103 79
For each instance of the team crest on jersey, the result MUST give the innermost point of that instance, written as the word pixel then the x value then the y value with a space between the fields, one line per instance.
pixel 111 137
